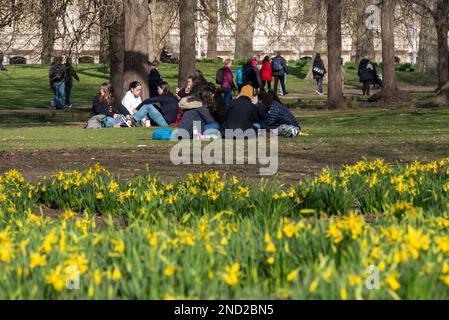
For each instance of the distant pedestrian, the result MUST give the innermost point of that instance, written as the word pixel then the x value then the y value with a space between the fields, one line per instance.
pixel 280 70
pixel 70 74
pixel 367 74
pixel 319 71
pixel 240 77
pixel 57 82
pixel 266 74
pixel 154 79
pixel 2 57
pixel 252 75
pixel 225 79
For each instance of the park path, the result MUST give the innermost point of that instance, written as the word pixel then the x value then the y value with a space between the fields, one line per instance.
pixel 350 91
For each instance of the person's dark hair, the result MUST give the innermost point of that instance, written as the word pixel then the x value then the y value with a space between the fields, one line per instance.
pixel 212 98
pixel 197 77
pixel 165 87
pixel 266 59
pixel 318 56
pixel 266 99
pixel 133 85
pixel 107 93
pixel 199 82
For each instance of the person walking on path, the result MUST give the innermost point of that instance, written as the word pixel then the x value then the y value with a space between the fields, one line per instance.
pixel 279 70
pixel 70 74
pixel 367 74
pixel 2 57
pixel 57 82
pixel 266 73
pixel 319 71
pixel 225 79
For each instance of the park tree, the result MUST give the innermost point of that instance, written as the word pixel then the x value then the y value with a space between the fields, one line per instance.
pixel 187 52
pixel 245 27
pixel 439 11
pixel 336 99
pixel 389 90
pixel 49 25
pixel 210 9
pixel 116 35
pixel 427 62
pixel 136 43
pixel 363 37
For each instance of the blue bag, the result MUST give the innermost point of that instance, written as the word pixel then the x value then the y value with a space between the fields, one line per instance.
pixel 162 134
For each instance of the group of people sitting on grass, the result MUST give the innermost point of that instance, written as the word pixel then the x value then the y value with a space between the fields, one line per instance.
pixel 200 102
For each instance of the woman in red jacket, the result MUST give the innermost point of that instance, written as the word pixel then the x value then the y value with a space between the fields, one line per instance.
pixel 266 73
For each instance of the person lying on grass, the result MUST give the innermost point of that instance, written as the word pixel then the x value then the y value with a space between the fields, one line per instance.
pixel 104 104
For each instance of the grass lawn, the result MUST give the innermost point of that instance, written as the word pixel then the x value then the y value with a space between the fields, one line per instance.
pixel 27 86
pixel 335 138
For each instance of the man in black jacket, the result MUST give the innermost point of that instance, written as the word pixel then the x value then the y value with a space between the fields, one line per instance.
pixel 280 69
pixel 367 74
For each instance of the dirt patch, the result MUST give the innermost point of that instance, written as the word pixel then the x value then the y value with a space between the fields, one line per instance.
pixel 128 163
pixel 296 160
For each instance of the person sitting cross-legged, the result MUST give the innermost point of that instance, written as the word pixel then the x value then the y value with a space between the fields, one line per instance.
pixel 105 104
pixel 165 113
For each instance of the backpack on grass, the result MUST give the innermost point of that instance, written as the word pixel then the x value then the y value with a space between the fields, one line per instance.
pixel 95 122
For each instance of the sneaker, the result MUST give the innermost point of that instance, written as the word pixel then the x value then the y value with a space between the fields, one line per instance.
pixel 52 104
pixel 68 106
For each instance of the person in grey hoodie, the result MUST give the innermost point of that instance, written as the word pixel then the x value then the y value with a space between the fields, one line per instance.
pixel 280 69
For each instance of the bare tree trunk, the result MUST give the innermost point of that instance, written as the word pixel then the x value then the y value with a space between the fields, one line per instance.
pixel 245 27
pixel 161 15
pixel 48 25
pixel 334 45
pixel 389 73
pixel 212 34
pixel 441 21
pixel 187 54
pixel 117 55
pixel 364 37
pixel 104 44
pixel 320 44
pixel 136 44
pixel 427 62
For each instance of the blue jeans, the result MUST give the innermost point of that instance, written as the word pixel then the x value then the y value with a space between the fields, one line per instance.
pixel 227 96
pixel 212 126
pixel 59 94
pixel 153 112
pixel 109 122
pixel 68 94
